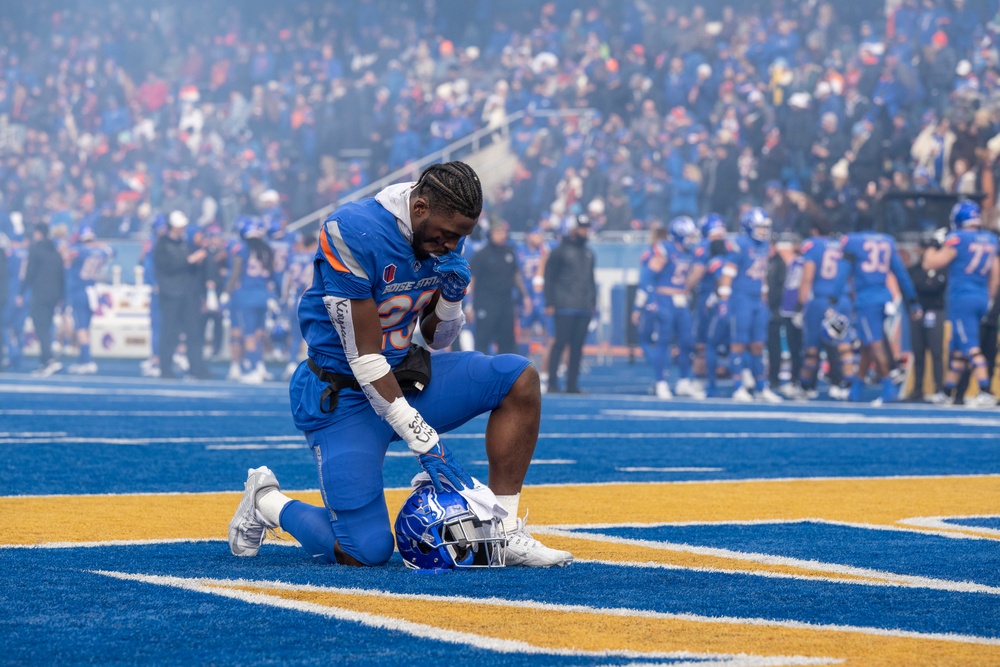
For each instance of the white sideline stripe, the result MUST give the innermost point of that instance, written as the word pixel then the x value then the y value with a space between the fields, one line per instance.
pixel 648 469
pixel 560 485
pixel 942 523
pixel 148 441
pixel 538 462
pixel 61 437
pixel 50 389
pixel 34 434
pixel 949 531
pixel 124 380
pixel 661 435
pixel 418 629
pixel 809 417
pixel 875 577
pixel 202 584
pixel 253 447
pixel 143 413
pixel 767 480
pixel 133 543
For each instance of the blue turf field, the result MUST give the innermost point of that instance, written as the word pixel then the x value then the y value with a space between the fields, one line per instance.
pixel 706 533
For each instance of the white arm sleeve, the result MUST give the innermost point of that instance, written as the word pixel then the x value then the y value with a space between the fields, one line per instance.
pixel 418 435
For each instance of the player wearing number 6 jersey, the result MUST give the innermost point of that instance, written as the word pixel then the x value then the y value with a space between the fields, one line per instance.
pixel 872 257
pixel 385 265
pixel 970 255
pixel 824 273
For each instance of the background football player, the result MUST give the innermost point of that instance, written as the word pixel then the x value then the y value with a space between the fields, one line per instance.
pixel 970 255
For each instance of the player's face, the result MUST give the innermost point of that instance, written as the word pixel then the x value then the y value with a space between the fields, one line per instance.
pixel 437 234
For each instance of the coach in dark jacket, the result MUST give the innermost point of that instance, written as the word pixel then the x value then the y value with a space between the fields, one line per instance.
pixel 571 299
pixel 180 275
pixel 45 279
pixel 496 275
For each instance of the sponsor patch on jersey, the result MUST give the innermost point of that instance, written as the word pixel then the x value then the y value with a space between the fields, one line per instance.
pixel 389 273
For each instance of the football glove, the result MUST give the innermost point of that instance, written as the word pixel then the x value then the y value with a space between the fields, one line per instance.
pixel 439 461
pixel 455 276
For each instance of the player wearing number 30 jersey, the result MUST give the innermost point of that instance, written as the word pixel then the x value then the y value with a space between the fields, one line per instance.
pixel 383 267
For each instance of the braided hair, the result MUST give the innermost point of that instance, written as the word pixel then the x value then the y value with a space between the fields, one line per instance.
pixel 452 187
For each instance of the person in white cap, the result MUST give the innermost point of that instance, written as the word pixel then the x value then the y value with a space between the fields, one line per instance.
pixel 180 276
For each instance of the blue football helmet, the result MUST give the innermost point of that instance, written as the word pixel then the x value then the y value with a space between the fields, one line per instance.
pixel 87 233
pixel 836 325
pixel 964 214
pixel 756 224
pixel 251 227
pixel 438 531
pixel 711 223
pixel 683 231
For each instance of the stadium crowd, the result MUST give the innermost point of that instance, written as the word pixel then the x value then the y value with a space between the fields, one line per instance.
pixel 241 116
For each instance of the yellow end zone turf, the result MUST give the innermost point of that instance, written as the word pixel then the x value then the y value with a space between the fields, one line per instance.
pixel 876 501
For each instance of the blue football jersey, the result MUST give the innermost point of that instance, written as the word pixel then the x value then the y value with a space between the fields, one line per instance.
pixel 674 265
pixel 750 258
pixel 872 256
pixel 298 275
pixel 255 270
pixel 364 254
pixel 975 253
pixel 831 271
pixel 88 264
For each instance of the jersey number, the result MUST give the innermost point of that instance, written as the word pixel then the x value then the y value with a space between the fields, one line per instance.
pixel 879 253
pixel 982 254
pixel 392 311
pixel 829 265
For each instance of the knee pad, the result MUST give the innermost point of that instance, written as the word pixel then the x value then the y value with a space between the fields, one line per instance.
pixel 375 548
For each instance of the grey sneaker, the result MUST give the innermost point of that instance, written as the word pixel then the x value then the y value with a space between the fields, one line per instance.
pixel 248 527
pixel 523 549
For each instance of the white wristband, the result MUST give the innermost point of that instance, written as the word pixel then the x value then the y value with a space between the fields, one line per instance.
pixel 404 419
pixel 724 291
pixel 447 310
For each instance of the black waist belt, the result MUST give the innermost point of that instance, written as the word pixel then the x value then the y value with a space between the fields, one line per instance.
pixel 413 374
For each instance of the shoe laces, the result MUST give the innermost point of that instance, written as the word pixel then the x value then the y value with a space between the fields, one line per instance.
pixel 521 534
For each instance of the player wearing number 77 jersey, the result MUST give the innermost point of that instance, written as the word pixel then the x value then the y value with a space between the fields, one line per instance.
pixel 383 266
pixel 970 255
pixel 872 257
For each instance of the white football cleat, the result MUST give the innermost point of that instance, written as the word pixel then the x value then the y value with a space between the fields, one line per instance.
pixel 88 368
pixel 742 395
pixel 181 361
pixel 663 390
pixel 792 391
pixel 981 400
pixel 839 393
pixel 235 373
pixel 248 527
pixel 690 388
pixel 939 398
pixel 49 369
pixel 253 377
pixel 523 549
pixel 765 395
